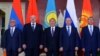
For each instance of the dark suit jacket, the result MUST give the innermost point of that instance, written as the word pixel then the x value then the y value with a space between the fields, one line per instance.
pixel 52 42
pixel 90 42
pixel 32 38
pixel 12 42
pixel 69 42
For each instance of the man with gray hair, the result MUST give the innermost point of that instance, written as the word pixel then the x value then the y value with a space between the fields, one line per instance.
pixel 12 39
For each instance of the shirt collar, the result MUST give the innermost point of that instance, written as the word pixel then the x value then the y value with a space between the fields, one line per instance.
pixel 90 25
pixel 53 27
pixel 12 27
pixel 33 23
pixel 68 26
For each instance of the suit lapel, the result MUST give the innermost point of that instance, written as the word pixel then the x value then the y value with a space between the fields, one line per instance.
pixel 34 28
pixel 88 31
pixel 14 32
pixel 66 31
pixel 9 32
pixel 71 31
pixel 50 31
pixel 55 31
pixel 93 30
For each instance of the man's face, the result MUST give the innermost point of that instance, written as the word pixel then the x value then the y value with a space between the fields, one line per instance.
pixel 68 21
pixel 12 23
pixel 52 22
pixel 90 21
pixel 33 19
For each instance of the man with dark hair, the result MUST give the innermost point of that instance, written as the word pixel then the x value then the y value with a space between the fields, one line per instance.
pixel 90 38
pixel 69 39
pixel 51 35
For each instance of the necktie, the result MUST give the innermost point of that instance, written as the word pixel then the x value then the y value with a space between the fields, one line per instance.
pixel 11 31
pixel 52 31
pixel 68 30
pixel 33 27
pixel 91 30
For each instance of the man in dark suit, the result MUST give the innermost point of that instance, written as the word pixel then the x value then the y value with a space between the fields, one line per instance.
pixel 69 39
pixel 52 34
pixel 32 36
pixel 12 40
pixel 90 38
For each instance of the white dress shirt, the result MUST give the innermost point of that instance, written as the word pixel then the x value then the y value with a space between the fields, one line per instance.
pixel 12 28
pixel 90 27
pixel 33 24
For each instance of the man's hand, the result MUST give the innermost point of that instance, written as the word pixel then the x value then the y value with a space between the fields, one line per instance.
pixel 4 49
pixel 83 49
pixel 76 48
pixel 46 49
pixel 41 46
pixel 19 49
pixel 98 49
pixel 24 46
pixel 61 49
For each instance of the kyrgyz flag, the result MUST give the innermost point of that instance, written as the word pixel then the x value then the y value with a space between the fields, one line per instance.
pixel 86 12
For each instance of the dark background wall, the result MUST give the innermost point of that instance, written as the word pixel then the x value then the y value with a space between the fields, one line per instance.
pixel 61 4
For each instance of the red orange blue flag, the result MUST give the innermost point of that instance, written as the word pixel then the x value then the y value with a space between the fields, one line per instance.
pixel 16 13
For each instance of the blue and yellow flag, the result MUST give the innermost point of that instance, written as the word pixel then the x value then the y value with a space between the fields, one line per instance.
pixel 50 12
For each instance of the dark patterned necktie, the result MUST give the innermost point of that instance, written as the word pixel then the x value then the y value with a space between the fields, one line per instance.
pixel 52 31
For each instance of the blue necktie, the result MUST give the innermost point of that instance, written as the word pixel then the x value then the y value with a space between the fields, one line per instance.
pixel 91 30
pixel 11 31
pixel 68 30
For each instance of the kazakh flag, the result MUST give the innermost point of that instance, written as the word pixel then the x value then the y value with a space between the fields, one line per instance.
pixel 50 12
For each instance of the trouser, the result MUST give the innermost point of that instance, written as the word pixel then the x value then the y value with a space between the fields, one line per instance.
pixel 88 52
pixel 32 52
pixel 12 53
pixel 52 53
pixel 69 53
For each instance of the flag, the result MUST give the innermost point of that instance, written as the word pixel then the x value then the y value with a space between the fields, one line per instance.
pixel 16 13
pixel 50 13
pixel 32 10
pixel 86 13
pixel 60 19
pixel 71 12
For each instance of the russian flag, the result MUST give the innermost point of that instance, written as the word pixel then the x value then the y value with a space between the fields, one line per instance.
pixel 16 14
pixel 71 13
